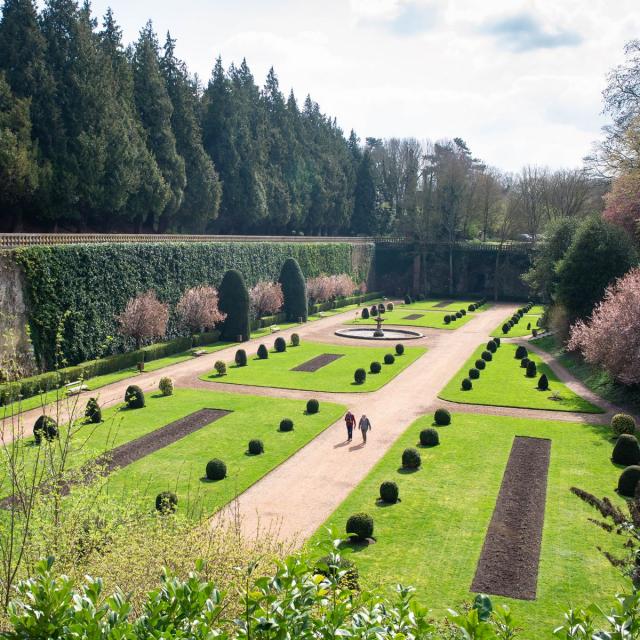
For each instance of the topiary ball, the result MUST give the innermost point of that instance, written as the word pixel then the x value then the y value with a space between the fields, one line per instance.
pixel 360 527
pixel 399 349
pixel 313 406
pixel 134 397
pixel 45 428
pixel 524 363
pixel 429 437
pixel 626 450
pixel 407 299
pixel 390 306
pixel 93 412
pixel 411 458
pixel 375 367
pixel 359 376
pixel 166 502
pixel 532 370
pixel 471 307
pixel 256 447
pixel 166 386
pixel 487 356
pixel 497 341
pixel 480 364
pixel 280 344
pixel 241 358
pixel 543 382
pixel 474 374
pixel 263 352
pixel 492 346
pixel 628 481
pixel 340 568
pixel 521 352
pixel 463 312
pixel 365 314
pixel 389 492
pixel 389 358
pixel 458 314
pixel 442 417
pixel 623 423
pixel 374 311
pixel 286 424
pixel 295 340
pixel 220 367
pixel 505 328
pixel 447 319
pixel 466 385
pixel 216 470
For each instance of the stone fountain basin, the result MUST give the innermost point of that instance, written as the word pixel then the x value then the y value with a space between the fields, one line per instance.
pixel 362 333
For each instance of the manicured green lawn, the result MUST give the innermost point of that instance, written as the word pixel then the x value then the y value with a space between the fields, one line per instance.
pixel 336 376
pixel 432 318
pixel 432 539
pixel 453 305
pixel 503 383
pixel 180 466
pixel 519 330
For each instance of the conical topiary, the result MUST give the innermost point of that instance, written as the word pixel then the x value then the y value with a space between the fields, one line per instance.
pixel 626 450
pixel 294 290
pixel 234 301
pixel 521 352
pixel 543 382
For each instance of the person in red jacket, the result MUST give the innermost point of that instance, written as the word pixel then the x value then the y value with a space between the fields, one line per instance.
pixel 350 421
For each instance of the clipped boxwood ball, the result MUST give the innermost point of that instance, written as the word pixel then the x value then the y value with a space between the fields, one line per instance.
pixel 375 367
pixel 373 311
pixel 492 346
pixel 45 428
pixel 389 492
pixel 429 437
pixel 521 352
pixel 543 382
pixel 313 406
pixel 241 358
pixel 467 385
pixel 458 314
pixel 93 412
pixel 480 364
pixel 447 319
pixel 390 306
pixel 399 349
pixel 256 447
pixel 532 370
pixel 359 376
pixel 134 397
pixel 474 374
pixel 360 526
pixel 216 469
pixel 286 424
pixel 280 345
pixel 389 358
pixel 411 458
pixel 263 352
pixel 497 341
pixel 505 328
pixel 166 502
pixel 628 481
pixel 166 386
pixel 442 417
pixel 295 340
pixel 623 423
pixel 486 355
pixel 365 313
pixel 626 450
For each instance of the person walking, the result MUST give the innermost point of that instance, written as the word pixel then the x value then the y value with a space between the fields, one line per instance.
pixel 364 425
pixel 350 421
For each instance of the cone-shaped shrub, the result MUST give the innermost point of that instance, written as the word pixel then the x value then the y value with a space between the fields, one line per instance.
pixel 294 290
pixel 442 417
pixel 263 352
pixel 234 301
pixel 241 358
pixel 399 349
pixel 365 313
pixel 524 363
pixel 543 382
pixel 375 367
pixel 626 450
pixel 256 447
pixel 216 469
pixel 286 424
pixel 166 502
pixel 521 352
pixel 628 481
pixel 359 376
pixel 134 397
pixel 93 412
pixel 532 370
pixel 466 385
pixel 623 423
pixel 411 459
pixel 389 492
pixel 429 437
pixel 313 406
pixel 374 310
pixel 45 428
pixel 360 527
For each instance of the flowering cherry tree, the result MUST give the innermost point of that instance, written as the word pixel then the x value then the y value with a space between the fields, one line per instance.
pixel 144 318
pixel 611 337
pixel 198 309
pixel 266 298
pixel 324 288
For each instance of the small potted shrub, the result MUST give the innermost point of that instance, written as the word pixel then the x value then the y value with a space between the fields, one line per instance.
pixel 280 344
pixel 220 367
pixel 263 352
pixel 166 502
pixel 623 423
pixel 286 425
pixel 411 459
pixel 241 358
pixel 399 349
pixel 256 447
pixel 389 358
pixel 389 493
pixel 543 382
pixel 360 527
pixel 532 370
pixel 466 385
pixel 45 428
pixel 474 374
pixel 375 367
pixel 166 386
pixel 429 437
pixel 359 376
pixel 93 412
pixel 313 406
pixel 216 470
pixel 134 397
pixel 442 417
pixel 295 340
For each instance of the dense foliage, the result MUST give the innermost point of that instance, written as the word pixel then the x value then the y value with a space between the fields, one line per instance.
pixel 294 290
pixel 234 303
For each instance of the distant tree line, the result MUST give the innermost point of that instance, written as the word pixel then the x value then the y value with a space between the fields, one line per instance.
pixel 96 135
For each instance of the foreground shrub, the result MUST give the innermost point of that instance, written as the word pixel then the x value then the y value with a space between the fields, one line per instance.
pixel 389 492
pixel 360 376
pixel 626 450
pixel 628 481
pixel 442 417
pixel 294 290
pixel 466 385
pixel 216 470
pixel 521 352
pixel 134 397
pixel 241 358
pixel 286 424
pixel 532 370
pixel 474 374
pixel 166 386
pixel 220 367
pixel 365 313
pixel 340 569
pixel 623 423
pixel 45 428
pixel 389 358
pixel 399 349
pixel 93 412
pixel 429 437
pixel 524 363
pixel 313 406
pixel 375 367
pixel 166 502
pixel 360 527
pixel 480 364
pixel 295 340
pixel 280 345
pixel 543 382
pixel 256 447
pixel 263 352
pixel 411 458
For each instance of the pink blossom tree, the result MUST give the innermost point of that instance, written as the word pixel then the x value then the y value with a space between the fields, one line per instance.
pixel 320 288
pixel 343 285
pixel 266 298
pixel 198 309
pixel 623 203
pixel 611 337
pixel 144 318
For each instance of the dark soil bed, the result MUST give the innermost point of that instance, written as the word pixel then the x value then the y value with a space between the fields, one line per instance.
pixel 443 303
pixel 508 564
pixel 318 362
pixel 414 316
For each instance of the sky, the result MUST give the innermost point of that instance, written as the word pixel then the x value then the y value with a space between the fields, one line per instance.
pixel 519 80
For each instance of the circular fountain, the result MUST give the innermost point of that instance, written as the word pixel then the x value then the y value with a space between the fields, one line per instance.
pixel 370 333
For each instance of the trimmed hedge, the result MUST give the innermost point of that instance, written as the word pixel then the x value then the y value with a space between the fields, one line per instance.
pixel 622 423
pixel 486 356
pixel 45 428
pixel 280 344
pixel 234 301
pixel 241 358
pixel 93 412
pixel 480 364
pixel 165 386
pixel 294 289
pixel 532 370
pixel 375 367
pixel 474 374
pixel 286 424
pixel 256 447
pixel 389 358
pixel 365 313
pixel 543 382
pixel 399 349
pixel 521 352
pixel 295 340
pixel 466 385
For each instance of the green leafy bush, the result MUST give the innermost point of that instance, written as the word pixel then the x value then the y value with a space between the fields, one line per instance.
pixel 360 527
pixel 220 367
pixel 256 447
pixel 294 290
pixel 623 423
pixel 411 458
pixel 628 481
pixel 442 417
pixel 263 352
pixel 474 373
pixel 166 386
pixel 134 397
pixel 313 406
pixel 359 376
pixel 399 349
pixel 466 385
pixel 216 470
pixel 429 437
pixel 532 369
pixel 286 424
pixel 389 492
pixel 234 301
pixel 339 568
pixel 521 352
pixel 543 382
pixel 626 451
pixel 295 340
pixel 45 428
pixel 280 344
pixel 93 412
pixel 375 367
pixel 389 358
pixel 480 364
pixel 166 502
pixel 241 358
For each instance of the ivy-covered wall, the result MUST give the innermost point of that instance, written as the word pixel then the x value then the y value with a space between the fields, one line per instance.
pixel 81 288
